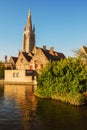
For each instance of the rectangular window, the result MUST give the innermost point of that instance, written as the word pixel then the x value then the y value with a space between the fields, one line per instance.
pixel 13 74
pixel 17 75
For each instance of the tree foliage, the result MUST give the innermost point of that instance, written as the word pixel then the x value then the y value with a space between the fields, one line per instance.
pixel 67 76
pixel 1 70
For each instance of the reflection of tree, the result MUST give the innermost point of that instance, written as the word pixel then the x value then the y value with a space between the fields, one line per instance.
pixel 40 114
pixel 25 100
pixel 55 115
pixel 1 91
pixel 2 68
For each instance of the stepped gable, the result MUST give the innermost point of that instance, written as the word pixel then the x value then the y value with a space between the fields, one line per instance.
pixel 27 56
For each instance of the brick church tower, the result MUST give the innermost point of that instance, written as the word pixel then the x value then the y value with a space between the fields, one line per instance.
pixel 29 36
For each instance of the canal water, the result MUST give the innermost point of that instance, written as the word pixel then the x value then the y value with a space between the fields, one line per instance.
pixel 21 110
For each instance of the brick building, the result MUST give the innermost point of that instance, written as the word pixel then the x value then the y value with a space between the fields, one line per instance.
pixel 31 58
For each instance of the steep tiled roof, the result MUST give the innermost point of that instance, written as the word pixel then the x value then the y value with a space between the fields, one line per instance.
pixel 52 56
pixel 27 56
pixel 14 59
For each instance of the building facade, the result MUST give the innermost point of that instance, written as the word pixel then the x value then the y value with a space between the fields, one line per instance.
pixel 29 36
pixel 31 59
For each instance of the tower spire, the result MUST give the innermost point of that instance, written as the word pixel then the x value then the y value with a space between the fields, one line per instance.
pixel 29 20
pixel 29 35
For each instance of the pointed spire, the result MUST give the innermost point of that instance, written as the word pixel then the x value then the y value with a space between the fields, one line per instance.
pixel 33 28
pixel 29 20
pixel 29 13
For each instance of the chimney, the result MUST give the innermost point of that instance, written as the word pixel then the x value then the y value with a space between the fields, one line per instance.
pixel 51 50
pixel 44 47
pixel 5 57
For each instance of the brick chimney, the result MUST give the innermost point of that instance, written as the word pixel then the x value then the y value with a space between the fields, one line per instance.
pixel 51 50
pixel 44 47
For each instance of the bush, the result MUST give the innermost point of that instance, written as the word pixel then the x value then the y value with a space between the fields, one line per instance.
pixel 1 70
pixel 63 77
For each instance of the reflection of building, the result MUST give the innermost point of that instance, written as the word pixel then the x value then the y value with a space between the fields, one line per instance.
pixel 31 58
pixel 19 92
pixel 23 101
pixel 1 91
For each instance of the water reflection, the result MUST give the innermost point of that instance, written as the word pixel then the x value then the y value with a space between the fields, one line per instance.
pixel 21 110
pixel 1 91
pixel 23 95
pixel 59 116
pixel 19 105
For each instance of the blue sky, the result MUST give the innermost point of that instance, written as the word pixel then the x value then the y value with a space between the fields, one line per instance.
pixel 58 23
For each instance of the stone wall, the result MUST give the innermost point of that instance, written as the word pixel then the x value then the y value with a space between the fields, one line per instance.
pixel 22 63
pixel 38 61
pixel 18 77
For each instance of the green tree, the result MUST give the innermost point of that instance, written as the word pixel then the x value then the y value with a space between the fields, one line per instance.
pixel 68 76
pixel 1 70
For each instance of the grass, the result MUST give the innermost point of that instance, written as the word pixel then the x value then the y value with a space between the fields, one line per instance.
pixel 76 99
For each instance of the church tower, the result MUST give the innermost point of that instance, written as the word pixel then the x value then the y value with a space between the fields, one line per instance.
pixel 29 36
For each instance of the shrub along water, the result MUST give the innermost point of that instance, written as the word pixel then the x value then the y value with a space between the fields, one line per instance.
pixel 64 80
pixel 2 69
